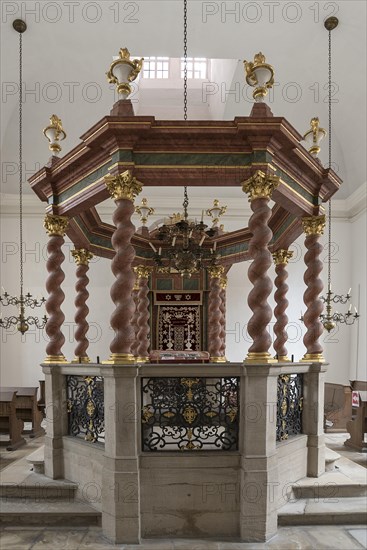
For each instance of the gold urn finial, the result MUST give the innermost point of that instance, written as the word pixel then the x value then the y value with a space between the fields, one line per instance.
pixel 55 133
pixel 259 75
pixel 216 211
pixel 314 136
pixel 144 211
pixel 123 70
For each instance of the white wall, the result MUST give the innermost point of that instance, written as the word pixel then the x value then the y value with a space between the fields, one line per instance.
pixel 358 357
pixel 345 350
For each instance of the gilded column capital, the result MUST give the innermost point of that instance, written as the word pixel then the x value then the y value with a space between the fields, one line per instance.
pixel 216 271
pixel 223 282
pixel 314 225
pixel 142 271
pixel 281 257
pixel 260 186
pixel 55 225
pixel 123 186
pixel 82 256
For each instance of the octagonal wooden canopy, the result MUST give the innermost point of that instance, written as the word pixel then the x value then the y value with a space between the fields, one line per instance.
pixel 178 153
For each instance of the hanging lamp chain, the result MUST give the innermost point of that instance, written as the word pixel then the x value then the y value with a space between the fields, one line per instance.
pixel 186 199
pixel 185 59
pixel 21 163
pixel 330 143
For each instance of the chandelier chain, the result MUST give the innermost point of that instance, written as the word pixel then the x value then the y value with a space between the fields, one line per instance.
pixel 330 143
pixel 21 161
pixel 185 59
pixel 186 199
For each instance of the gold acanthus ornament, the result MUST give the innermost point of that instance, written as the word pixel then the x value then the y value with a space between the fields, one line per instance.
pixel 314 225
pixel 124 68
pixel 216 271
pixel 123 186
pixel 82 256
pixel 55 225
pixel 260 186
pixel 142 271
pixel 281 257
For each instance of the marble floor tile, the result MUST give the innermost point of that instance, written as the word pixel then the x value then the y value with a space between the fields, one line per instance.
pixel 324 536
pixel 60 539
pixel 18 539
pixel 360 535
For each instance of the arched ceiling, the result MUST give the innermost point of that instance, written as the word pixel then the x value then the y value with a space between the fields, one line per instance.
pixel 66 56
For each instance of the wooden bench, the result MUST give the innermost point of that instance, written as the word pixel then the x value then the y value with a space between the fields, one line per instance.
pixel 42 400
pixel 10 424
pixel 27 409
pixel 357 427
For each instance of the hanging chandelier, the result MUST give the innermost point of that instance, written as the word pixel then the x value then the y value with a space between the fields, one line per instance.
pixel 182 243
pixel 330 319
pixel 21 321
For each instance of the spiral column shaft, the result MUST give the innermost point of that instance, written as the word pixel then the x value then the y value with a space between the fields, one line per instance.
pixel 260 188
pixel 143 339
pixel 215 315
pixel 281 258
pixel 313 227
pixel 82 258
pixel 56 228
pixel 123 188
pixel 223 310
pixel 134 320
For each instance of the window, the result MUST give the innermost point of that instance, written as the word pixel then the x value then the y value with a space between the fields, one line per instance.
pixel 196 67
pixel 156 67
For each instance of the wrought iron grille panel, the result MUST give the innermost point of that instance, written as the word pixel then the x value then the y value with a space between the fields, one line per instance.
pixel 85 402
pixel 289 406
pixel 189 414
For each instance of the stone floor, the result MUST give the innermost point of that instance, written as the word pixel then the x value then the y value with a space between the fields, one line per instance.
pixel 319 537
pixel 342 537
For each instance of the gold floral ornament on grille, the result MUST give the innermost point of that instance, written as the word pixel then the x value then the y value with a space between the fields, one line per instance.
pixel 124 70
pixel 259 75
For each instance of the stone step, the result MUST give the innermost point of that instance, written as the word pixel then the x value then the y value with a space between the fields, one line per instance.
pixel 45 513
pixel 38 487
pixel 347 479
pixel 329 511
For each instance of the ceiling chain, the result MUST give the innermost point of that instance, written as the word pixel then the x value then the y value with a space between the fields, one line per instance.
pixel 330 142
pixel 21 161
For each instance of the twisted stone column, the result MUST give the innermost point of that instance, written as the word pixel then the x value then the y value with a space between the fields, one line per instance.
pixel 82 258
pixel 134 320
pixel 223 308
pixel 313 226
pixel 259 188
pixel 56 228
pixel 143 339
pixel 214 315
pixel 281 258
pixel 123 188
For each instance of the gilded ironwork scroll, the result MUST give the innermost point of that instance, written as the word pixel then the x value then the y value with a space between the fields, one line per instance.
pixel 289 406
pixel 85 402
pixel 187 414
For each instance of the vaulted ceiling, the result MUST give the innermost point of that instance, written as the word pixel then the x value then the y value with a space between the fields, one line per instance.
pixel 69 45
